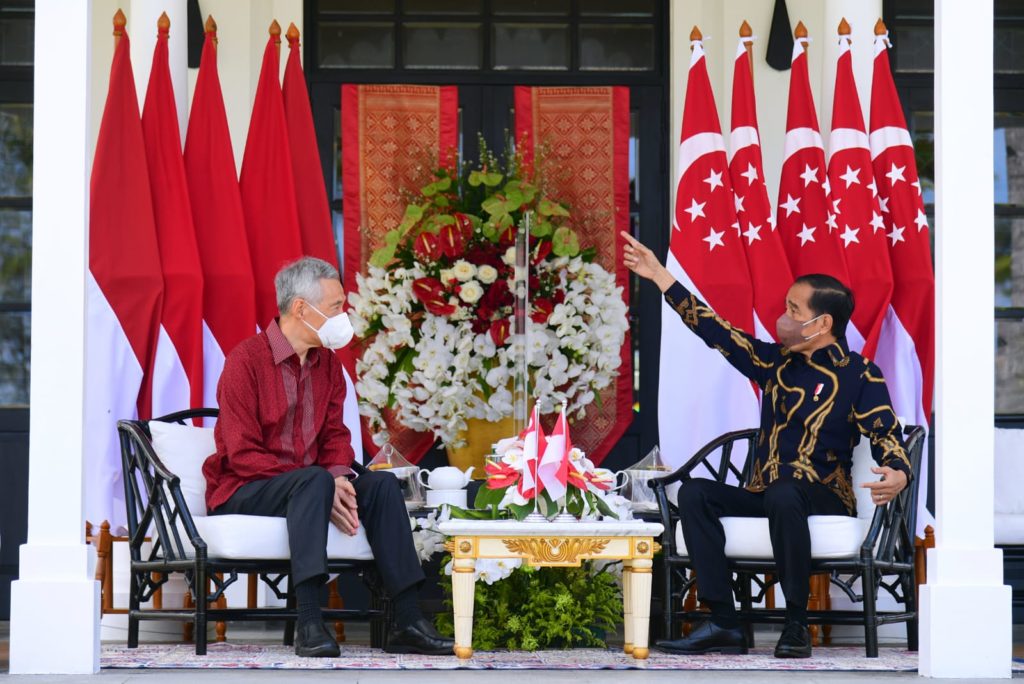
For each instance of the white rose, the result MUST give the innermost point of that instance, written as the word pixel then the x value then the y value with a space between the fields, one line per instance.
pixel 487 274
pixel 447 276
pixel 463 270
pixel 510 256
pixel 471 292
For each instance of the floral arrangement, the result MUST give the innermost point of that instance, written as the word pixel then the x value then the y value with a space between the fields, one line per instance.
pixel 588 491
pixel 435 309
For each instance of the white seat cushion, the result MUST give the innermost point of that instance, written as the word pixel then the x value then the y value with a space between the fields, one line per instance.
pixel 832 537
pixel 266 537
pixel 183 449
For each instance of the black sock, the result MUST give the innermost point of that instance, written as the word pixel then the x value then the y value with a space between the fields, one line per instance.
pixel 407 607
pixel 796 614
pixel 723 614
pixel 307 600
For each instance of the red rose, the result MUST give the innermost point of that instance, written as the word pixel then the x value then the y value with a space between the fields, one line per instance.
pixel 452 242
pixel 542 309
pixel 427 247
pixel 499 332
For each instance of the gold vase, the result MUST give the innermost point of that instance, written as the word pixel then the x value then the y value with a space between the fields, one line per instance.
pixel 479 436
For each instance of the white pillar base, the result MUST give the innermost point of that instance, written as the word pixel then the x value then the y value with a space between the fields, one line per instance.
pixel 56 591
pixel 966 629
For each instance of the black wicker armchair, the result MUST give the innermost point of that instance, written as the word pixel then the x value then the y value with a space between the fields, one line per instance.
pixel 157 510
pixel 885 559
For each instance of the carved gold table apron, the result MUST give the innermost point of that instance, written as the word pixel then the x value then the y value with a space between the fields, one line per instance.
pixel 550 544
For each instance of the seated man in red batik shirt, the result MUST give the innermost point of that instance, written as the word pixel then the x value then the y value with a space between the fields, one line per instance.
pixel 283 450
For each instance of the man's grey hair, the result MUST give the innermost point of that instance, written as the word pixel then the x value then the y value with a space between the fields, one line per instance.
pixel 301 280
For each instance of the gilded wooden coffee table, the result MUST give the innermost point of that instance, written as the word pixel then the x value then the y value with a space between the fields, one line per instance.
pixel 551 544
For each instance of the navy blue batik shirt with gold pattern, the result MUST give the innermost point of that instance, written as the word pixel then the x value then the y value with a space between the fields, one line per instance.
pixel 814 410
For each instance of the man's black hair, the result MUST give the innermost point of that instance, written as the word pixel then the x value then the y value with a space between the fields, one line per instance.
pixel 830 297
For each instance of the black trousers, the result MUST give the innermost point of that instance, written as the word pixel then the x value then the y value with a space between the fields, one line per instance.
pixel 305 497
pixel 786 502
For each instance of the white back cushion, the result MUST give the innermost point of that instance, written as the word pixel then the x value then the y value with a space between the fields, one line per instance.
pixel 863 462
pixel 183 449
pixel 1009 467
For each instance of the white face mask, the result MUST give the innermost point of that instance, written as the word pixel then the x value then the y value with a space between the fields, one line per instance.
pixel 336 331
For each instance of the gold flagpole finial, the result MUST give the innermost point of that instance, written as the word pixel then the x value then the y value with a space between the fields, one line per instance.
pixel 844 27
pixel 880 29
pixel 800 31
pixel 745 30
pixel 120 21
pixel 275 31
pixel 163 24
pixel 695 34
pixel 293 33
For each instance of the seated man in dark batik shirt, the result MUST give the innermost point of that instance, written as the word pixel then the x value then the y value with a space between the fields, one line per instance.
pixel 283 450
pixel 818 398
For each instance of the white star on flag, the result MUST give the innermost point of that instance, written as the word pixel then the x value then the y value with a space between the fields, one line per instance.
pixel 739 202
pixel 827 185
pixel 736 226
pixel 877 222
pixel 771 222
pixel 753 233
pixel 750 174
pixel 835 205
pixel 714 180
pixel 921 220
pixel 714 239
pixel 883 204
pixel 873 187
pixel 791 204
pixel 896 235
pixel 831 221
pixel 851 176
pixel 809 175
pixel 696 209
pixel 917 184
pixel 896 174
pixel 849 235
pixel 806 235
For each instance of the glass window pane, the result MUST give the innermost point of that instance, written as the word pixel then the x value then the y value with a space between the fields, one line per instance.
pixel 1009 256
pixel 357 45
pixel 625 47
pixel 442 6
pixel 914 48
pixel 1009 366
pixel 15 255
pixel 1009 158
pixel 336 183
pixel 531 7
pixel 17 39
pixel 15 150
pixel 338 224
pixel 622 8
pixel 922 132
pixel 531 46
pixel 442 46
pixel 14 358
pixel 357 6
pixel 1009 50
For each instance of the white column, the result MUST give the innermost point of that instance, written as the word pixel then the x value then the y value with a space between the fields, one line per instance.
pixel 966 627
pixel 142 29
pixel 55 604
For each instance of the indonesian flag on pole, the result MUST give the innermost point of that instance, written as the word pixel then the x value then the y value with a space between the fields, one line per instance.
pixel 553 471
pixel 807 220
pixel 178 367
pixel 229 310
pixel 706 255
pixel 534 443
pixel 314 210
pixel 124 288
pixel 268 186
pixel 854 201
pixel 769 268
pixel 907 355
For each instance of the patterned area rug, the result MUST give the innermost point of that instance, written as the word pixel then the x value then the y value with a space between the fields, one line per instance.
pixel 277 657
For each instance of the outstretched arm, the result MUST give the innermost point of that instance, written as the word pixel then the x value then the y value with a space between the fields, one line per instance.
pixel 747 354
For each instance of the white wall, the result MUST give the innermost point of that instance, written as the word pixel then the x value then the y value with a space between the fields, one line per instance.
pixel 721 19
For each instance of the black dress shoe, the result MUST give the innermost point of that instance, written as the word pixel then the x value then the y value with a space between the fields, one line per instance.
pixel 795 642
pixel 708 637
pixel 312 640
pixel 419 637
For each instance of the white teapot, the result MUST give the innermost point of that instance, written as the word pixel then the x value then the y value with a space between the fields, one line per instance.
pixel 447 477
